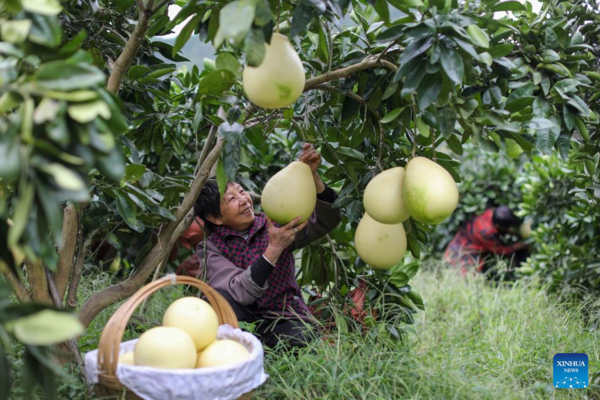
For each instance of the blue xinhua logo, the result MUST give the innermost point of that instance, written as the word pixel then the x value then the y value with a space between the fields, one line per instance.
pixel 570 371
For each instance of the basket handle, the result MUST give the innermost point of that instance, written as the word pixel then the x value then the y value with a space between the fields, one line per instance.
pixel 112 334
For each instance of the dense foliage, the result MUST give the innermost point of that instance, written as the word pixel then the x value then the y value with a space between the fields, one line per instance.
pixel 563 199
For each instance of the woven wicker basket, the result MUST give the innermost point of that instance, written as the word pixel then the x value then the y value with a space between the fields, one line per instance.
pixel 112 334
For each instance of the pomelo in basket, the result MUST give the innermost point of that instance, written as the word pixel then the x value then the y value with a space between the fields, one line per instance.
pixel 430 193
pixel 290 193
pixel 380 245
pixel 195 317
pixel 126 358
pixel 165 347
pixel 383 198
pixel 222 352
pixel 279 80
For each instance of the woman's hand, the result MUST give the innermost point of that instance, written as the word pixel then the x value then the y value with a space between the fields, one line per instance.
pixel 310 157
pixel 280 238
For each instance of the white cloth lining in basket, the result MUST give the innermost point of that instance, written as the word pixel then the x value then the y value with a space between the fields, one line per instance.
pixel 216 383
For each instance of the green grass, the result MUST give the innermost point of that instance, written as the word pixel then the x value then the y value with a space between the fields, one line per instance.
pixel 474 341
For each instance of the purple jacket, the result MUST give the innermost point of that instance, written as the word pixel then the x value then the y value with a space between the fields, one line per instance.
pixel 229 256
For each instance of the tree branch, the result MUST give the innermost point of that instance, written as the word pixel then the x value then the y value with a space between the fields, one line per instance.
pixel 71 344
pixel 131 48
pixel 368 63
pixel 352 95
pixel 169 234
pixel 17 286
pixel 36 276
pixel 76 275
pixel 70 234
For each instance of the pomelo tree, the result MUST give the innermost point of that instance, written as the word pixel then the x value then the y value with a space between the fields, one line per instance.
pixel 105 144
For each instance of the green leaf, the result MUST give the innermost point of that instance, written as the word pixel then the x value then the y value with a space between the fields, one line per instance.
pixel 523 91
pixel 44 7
pixel 228 62
pixel 509 6
pixel 415 49
pixel 567 85
pixel 391 116
pixel 22 209
pixel 428 90
pixel 501 50
pixel 346 151
pixel 216 82
pixel 520 104
pixel 576 39
pixel 235 20
pixel 164 160
pixel 231 132
pixel 446 119
pixel 64 177
pixel 550 56
pixel 221 176
pixel 60 75
pixel 127 211
pixel 231 159
pixel 381 6
pixel 186 33
pixel 301 17
pixel 87 112
pixel 478 36
pixel 15 31
pixel 399 279
pixel 551 39
pixel 467 47
pixel 133 172
pixel 254 47
pixel 416 299
pixel 486 58
pixel 392 33
pixel 46 327
pixel 453 64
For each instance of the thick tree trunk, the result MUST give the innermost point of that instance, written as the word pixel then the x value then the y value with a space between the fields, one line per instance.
pixel 166 239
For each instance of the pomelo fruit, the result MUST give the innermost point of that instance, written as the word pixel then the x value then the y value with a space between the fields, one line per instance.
pixel 222 352
pixel 380 245
pixel 525 229
pixel 430 193
pixel 290 193
pixel 165 347
pixel 383 198
pixel 126 358
pixel 279 80
pixel 195 317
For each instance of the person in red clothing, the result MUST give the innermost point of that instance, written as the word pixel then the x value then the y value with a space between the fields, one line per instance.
pixel 478 244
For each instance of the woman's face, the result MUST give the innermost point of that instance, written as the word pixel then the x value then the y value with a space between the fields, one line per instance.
pixel 237 210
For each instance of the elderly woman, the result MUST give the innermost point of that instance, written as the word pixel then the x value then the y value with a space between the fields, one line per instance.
pixel 249 259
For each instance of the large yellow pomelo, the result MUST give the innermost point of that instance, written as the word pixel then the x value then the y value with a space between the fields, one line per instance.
pixel 290 193
pixel 222 352
pixel 165 347
pixel 430 193
pixel 195 317
pixel 126 358
pixel 380 245
pixel 383 198
pixel 279 80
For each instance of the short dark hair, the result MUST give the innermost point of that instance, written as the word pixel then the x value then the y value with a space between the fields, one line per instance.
pixel 505 219
pixel 208 203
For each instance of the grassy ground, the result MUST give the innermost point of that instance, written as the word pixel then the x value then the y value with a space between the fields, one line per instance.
pixel 474 341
